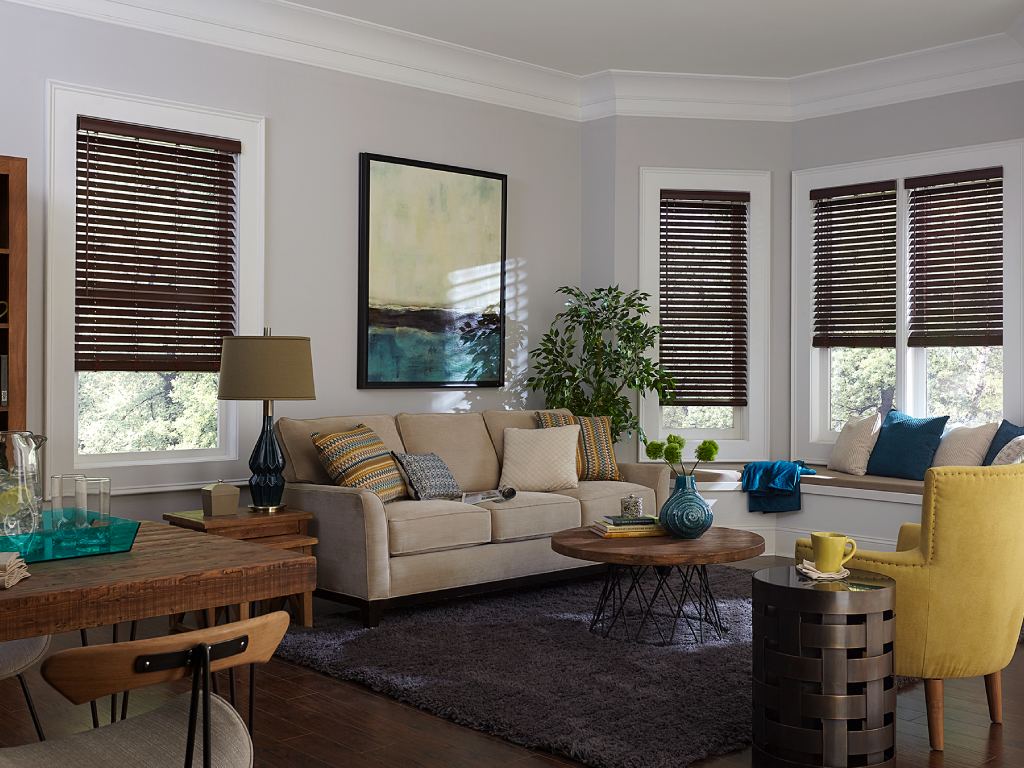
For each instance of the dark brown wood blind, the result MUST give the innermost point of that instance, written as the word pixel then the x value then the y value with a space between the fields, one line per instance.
pixel 703 301
pixel 855 265
pixel 155 274
pixel 956 259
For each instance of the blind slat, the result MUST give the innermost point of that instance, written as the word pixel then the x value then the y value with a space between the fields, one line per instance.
pixel 703 296
pixel 855 265
pixel 956 259
pixel 155 267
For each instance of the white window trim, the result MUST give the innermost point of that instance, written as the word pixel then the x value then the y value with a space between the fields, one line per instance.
pixel 812 437
pixel 143 471
pixel 749 440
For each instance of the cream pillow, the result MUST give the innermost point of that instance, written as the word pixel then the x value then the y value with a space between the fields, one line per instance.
pixel 1011 453
pixel 855 444
pixel 540 459
pixel 965 446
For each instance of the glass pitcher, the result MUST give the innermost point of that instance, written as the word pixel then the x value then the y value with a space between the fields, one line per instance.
pixel 21 490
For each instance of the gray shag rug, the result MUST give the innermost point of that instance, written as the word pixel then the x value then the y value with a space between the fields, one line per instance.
pixel 524 667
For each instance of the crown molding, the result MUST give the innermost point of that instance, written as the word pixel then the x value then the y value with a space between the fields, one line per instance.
pixel 285 30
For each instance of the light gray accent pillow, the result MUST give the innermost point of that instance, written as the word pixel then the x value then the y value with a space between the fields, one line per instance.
pixel 1011 453
pixel 965 446
pixel 540 459
pixel 855 443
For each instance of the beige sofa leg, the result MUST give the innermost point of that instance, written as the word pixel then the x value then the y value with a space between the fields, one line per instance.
pixel 933 697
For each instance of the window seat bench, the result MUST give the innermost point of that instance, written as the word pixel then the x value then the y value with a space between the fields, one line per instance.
pixel 868 508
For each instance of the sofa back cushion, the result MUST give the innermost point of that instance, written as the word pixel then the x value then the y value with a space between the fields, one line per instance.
pixel 497 421
pixel 302 464
pixel 461 439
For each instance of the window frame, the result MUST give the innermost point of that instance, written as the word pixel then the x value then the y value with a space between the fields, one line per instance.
pixel 137 472
pixel 748 439
pixel 812 437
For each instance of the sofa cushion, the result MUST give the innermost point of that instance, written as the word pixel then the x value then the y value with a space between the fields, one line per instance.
pixel 428 476
pixel 497 421
pixel 595 452
pixel 358 459
pixel 598 498
pixel 906 445
pixel 460 439
pixel 1006 432
pixel 531 514
pixel 540 459
pixel 302 464
pixel 853 448
pixel 426 526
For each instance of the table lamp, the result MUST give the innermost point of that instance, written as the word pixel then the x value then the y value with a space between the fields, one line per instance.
pixel 266 368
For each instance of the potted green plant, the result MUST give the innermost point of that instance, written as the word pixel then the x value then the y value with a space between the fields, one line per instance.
pixel 595 359
pixel 686 514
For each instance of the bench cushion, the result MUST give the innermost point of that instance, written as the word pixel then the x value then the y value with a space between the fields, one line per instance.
pixel 531 514
pixel 427 526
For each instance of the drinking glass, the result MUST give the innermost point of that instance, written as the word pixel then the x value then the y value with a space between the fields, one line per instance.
pixel 67 506
pixel 95 495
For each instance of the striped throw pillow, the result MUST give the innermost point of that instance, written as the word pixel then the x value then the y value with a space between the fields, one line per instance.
pixel 357 458
pixel 595 453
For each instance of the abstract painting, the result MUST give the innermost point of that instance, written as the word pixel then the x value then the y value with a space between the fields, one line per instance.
pixel 431 275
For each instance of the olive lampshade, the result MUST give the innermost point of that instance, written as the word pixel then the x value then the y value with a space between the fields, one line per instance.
pixel 266 368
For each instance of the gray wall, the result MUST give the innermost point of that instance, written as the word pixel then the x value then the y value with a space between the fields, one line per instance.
pixel 573 208
pixel 317 123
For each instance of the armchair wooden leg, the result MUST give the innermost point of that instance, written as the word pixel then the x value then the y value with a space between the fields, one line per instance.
pixel 933 702
pixel 994 690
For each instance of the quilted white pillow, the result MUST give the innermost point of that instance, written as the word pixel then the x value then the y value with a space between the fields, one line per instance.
pixel 854 446
pixel 1011 453
pixel 540 459
pixel 965 446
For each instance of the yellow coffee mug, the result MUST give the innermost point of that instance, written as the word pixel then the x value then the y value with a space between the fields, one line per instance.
pixel 830 551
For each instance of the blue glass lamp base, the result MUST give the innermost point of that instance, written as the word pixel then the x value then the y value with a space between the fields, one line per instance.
pixel 266 485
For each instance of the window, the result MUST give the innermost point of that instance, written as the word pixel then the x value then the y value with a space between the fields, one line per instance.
pixel 155 285
pixel 705 242
pixel 154 250
pixel 855 295
pixel 904 263
pixel 703 306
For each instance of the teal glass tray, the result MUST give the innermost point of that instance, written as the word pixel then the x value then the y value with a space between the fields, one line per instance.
pixel 59 539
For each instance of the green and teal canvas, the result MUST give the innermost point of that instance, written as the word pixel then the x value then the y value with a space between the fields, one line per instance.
pixel 433 274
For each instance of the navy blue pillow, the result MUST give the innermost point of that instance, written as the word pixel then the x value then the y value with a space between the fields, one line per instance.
pixel 1004 434
pixel 906 446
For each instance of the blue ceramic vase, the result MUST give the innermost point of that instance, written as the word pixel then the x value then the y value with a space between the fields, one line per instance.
pixel 686 514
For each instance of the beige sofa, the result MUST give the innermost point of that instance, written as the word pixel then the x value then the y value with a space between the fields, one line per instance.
pixel 381 555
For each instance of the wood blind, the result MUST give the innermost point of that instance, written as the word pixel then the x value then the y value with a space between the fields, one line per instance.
pixel 956 259
pixel 703 301
pixel 855 265
pixel 155 274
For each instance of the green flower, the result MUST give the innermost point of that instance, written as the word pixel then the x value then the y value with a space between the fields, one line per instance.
pixel 707 451
pixel 655 449
pixel 674 453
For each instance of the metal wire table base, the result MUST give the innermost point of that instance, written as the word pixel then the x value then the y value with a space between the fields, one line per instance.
pixel 681 597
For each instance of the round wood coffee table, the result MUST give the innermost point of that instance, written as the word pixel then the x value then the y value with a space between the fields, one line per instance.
pixel 679 567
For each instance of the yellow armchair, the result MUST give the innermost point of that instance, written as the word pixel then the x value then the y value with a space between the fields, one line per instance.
pixel 959 582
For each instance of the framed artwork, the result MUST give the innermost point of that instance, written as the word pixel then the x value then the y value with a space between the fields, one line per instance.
pixel 431 275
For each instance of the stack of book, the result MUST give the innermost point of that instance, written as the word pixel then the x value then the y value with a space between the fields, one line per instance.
pixel 628 527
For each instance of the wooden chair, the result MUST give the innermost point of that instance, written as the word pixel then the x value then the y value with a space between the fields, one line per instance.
pixel 15 657
pixel 166 736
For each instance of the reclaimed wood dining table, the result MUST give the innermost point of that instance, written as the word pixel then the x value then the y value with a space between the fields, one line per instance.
pixel 169 571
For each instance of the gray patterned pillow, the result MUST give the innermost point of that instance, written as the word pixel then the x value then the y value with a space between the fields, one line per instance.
pixel 428 475
pixel 1011 453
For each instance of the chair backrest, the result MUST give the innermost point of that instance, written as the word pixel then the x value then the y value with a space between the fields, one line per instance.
pixel 972 537
pixel 86 674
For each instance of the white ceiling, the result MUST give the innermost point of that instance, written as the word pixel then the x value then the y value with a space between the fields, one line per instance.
pixel 769 38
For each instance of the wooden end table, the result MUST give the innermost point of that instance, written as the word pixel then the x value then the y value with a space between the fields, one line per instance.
pixel 680 568
pixel 824 690
pixel 287 529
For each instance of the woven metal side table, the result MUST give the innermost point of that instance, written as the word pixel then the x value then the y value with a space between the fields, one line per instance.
pixel 824 692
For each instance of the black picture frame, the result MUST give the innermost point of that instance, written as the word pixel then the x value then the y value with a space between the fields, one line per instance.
pixel 362 376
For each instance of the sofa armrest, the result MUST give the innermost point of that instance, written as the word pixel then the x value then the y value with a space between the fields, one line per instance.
pixel 909 537
pixel 352 557
pixel 655 475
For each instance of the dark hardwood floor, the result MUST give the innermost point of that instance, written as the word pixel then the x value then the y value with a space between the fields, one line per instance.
pixel 309 720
